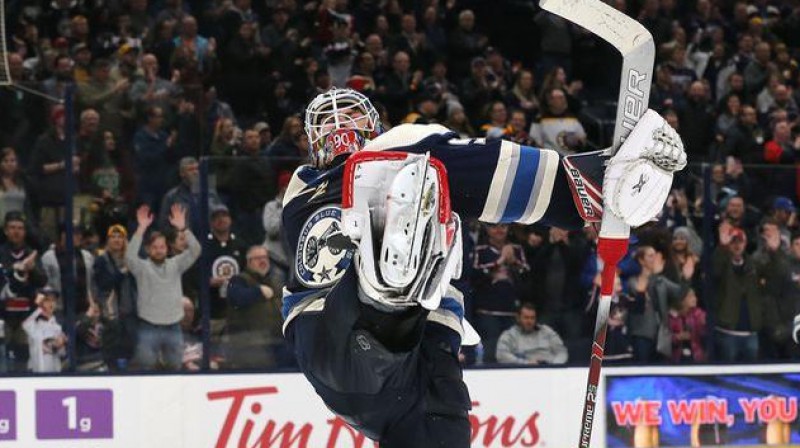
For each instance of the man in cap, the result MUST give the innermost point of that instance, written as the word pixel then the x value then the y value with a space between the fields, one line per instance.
pixel 26 276
pixel 739 302
pixel 226 255
pixel 783 212
pixel 82 55
pixel 127 64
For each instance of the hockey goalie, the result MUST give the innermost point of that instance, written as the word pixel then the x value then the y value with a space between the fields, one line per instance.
pixel 374 221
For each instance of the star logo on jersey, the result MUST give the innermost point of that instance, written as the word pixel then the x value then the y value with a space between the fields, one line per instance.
pixel 325 274
pixel 319 190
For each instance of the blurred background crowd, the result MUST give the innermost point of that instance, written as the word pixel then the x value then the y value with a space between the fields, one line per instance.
pixel 179 101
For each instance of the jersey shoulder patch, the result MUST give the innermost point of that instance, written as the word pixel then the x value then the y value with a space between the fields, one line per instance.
pixel 317 264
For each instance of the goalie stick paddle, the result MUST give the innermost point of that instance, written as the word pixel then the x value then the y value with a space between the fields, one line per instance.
pixel 635 44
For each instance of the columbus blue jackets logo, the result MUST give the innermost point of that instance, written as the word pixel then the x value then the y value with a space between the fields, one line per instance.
pixel 225 266
pixel 317 263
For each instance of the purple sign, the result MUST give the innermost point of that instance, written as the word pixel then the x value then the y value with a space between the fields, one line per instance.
pixel 74 414
pixel 8 415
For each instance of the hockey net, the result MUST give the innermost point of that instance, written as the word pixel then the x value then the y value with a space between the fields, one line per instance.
pixel 5 69
pixel 5 73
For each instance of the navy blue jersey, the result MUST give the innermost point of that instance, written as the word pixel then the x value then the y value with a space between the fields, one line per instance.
pixel 495 181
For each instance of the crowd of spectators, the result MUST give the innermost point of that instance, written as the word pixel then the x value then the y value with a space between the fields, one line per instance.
pixel 160 84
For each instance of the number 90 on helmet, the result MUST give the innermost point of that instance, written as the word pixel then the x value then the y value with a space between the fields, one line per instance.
pixel 334 110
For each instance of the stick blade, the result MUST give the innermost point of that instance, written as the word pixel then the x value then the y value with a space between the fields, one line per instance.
pixel 621 31
pixel 634 43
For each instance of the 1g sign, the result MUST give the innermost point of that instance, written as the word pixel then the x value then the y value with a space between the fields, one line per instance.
pixel 74 414
pixel 8 415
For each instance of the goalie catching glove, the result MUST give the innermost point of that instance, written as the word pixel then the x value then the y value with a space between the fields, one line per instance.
pixel 639 176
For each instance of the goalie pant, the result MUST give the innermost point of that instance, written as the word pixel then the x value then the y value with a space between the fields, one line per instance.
pixel 396 377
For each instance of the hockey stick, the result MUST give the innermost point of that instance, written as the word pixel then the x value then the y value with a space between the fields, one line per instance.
pixel 635 44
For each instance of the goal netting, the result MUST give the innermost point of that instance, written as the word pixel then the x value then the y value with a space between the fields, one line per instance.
pixel 5 73
pixel 5 70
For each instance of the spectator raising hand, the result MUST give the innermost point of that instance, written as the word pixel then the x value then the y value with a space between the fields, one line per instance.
pixel 177 216
pixel 772 237
pixel 144 218
pixel 160 306
pixel 160 84
pixel 658 263
pixel 507 256
pixel 653 293
pixel 739 304
pixel 725 229
pixel 26 265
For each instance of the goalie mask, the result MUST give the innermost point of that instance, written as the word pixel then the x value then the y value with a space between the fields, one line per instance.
pixel 332 113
